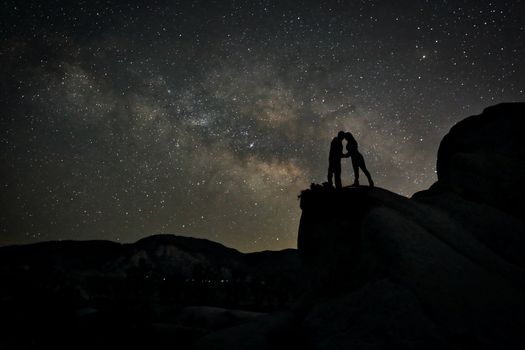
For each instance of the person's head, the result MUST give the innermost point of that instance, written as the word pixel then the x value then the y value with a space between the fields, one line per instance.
pixel 341 135
pixel 351 145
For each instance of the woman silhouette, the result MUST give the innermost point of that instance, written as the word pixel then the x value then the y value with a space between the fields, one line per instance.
pixel 357 159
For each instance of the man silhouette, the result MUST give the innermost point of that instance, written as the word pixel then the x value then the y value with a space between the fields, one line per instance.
pixel 357 159
pixel 334 159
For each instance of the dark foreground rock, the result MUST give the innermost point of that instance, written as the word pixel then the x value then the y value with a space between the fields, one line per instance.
pixel 443 269
pixel 413 263
pixel 481 158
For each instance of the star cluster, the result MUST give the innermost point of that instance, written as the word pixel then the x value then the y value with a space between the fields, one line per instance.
pixel 207 118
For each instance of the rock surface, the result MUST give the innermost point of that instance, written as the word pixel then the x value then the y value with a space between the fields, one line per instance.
pixel 481 158
pixel 447 263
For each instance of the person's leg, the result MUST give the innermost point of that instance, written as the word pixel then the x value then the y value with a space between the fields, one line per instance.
pixel 337 175
pixel 355 165
pixel 367 173
pixel 330 175
pixel 365 170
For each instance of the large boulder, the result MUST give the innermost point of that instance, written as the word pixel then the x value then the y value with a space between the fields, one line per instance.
pixel 482 158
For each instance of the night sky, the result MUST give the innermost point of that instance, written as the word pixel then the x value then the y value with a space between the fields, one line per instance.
pixel 207 118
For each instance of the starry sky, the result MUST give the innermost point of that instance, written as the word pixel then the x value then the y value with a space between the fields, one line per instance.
pixel 207 118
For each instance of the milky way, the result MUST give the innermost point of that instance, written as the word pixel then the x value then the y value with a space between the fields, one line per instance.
pixel 207 118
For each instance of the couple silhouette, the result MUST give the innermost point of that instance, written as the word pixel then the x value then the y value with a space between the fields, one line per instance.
pixel 336 154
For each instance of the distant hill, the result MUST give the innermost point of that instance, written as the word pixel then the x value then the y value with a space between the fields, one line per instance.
pixel 160 279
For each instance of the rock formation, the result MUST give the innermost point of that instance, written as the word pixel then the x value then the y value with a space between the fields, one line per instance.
pixel 445 268
pixel 482 158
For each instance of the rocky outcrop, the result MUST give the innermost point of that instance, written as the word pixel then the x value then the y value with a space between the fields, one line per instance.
pixel 447 264
pixel 447 283
pixel 481 158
